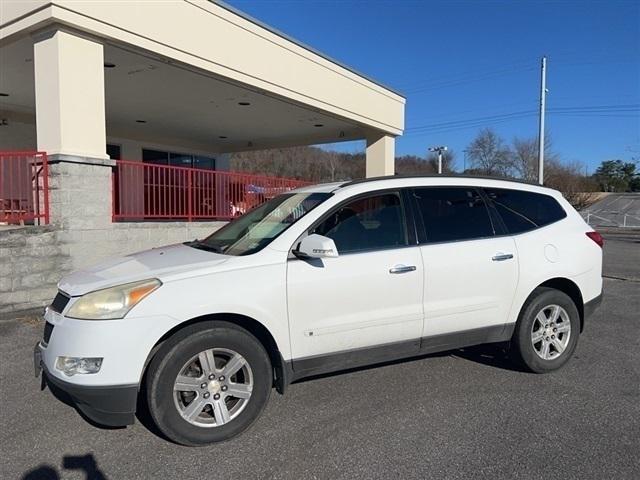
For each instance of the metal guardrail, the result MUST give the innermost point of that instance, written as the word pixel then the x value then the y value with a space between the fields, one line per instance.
pixel 612 219
pixel 24 188
pixel 144 191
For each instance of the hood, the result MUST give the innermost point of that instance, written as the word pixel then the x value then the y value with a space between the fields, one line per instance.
pixel 155 263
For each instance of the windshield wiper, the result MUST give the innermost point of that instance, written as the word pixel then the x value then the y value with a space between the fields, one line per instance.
pixel 203 246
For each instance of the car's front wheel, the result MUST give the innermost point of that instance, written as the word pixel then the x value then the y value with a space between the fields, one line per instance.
pixel 547 330
pixel 208 383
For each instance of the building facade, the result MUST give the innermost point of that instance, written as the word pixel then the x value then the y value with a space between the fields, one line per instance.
pixel 180 83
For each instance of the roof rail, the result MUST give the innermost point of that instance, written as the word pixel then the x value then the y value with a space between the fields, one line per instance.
pixel 435 175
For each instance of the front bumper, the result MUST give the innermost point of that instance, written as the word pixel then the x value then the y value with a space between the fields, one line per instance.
pixel 113 405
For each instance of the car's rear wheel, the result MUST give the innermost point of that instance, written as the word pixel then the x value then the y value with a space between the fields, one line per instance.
pixel 546 334
pixel 208 383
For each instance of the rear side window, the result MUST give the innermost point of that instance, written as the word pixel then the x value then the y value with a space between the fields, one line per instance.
pixel 523 211
pixel 450 214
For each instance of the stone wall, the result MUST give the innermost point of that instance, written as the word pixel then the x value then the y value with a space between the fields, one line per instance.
pixel 31 262
pixel 33 259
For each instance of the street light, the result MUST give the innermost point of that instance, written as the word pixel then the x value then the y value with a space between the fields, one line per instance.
pixel 439 150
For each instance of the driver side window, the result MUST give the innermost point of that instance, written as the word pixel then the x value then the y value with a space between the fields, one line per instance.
pixel 370 223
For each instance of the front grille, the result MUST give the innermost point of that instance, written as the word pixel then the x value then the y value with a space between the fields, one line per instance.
pixel 59 302
pixel 48 329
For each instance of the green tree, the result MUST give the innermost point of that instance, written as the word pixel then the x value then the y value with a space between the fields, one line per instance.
pixel 616 176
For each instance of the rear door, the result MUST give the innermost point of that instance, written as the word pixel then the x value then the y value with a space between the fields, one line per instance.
pixel 470 267
pixel 369 296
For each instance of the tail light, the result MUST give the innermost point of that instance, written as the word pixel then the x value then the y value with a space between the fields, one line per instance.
pixel 596 237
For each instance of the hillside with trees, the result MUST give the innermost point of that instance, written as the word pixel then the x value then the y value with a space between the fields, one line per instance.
pixel 488 154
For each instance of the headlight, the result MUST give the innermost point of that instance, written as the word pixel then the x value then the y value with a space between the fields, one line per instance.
pixel 112 303
pixel 71 366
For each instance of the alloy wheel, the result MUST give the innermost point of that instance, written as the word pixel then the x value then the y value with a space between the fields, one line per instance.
pixel 550 332
pixel 213 387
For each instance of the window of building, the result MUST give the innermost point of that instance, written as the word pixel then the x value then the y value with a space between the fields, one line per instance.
pixel 114 151
pixel 175 159
pixel 523 211
pixel 452 214
pixel 369 223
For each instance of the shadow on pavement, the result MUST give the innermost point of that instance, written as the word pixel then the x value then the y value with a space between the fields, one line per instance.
pixel 85 463
pixel 492 355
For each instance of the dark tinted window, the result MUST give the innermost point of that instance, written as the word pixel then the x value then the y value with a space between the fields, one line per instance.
pixel 523 211
pixel 455 213
pixel 366 224
pixel 178 159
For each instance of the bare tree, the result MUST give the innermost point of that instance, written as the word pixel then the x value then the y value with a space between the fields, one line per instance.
pixel 489 155
pixel 524 156
pixel 579 190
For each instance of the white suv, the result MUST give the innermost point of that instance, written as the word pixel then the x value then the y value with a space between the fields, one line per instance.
pixel 321 279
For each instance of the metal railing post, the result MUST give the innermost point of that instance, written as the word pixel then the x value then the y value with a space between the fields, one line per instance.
pixel 189 195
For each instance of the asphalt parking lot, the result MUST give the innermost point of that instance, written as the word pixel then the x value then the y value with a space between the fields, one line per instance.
pixel 463 414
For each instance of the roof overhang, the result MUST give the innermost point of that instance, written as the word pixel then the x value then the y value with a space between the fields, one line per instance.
pixel 207 58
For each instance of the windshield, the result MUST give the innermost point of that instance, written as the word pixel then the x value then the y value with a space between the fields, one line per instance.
pixel 256 229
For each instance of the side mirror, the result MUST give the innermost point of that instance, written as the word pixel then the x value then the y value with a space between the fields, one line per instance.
pixel 316 246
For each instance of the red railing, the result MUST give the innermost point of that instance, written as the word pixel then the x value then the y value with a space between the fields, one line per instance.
pixel 143 191
pixel 24 188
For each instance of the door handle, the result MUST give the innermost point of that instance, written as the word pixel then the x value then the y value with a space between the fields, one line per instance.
pixel 402 269
pixel 501 257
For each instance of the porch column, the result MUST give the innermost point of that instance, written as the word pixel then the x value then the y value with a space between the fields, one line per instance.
pixel 69 84
pixel 380 155
pixel 70 127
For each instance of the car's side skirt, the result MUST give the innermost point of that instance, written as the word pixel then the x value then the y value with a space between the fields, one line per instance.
pixel 320 364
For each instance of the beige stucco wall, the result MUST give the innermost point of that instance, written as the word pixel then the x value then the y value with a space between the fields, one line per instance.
pixel 14 9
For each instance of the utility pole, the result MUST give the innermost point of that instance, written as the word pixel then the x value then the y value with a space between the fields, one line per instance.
pixel 439 150
pixel 543 104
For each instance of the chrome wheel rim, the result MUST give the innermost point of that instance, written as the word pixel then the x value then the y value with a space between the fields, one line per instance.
pixel 213 387
pixel 550 332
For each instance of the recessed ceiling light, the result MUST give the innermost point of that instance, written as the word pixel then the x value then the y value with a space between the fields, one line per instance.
pixel 222 136
pixel 244 104
pixel 318 125
pixel 109 65
pixel 141 121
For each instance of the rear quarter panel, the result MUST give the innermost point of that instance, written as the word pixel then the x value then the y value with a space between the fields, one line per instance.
pixel 559 250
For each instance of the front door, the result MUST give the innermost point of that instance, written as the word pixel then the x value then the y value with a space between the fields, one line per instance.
pixel 369 296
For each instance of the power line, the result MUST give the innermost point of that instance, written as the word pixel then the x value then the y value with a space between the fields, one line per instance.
pixel 486 123
pixel 465 79
pixel 471 120
pixel 464 74
pixel 516 67
pixel 593 109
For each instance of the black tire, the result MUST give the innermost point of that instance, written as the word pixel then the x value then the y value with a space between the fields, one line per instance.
pixel 521 342
pixel 172 356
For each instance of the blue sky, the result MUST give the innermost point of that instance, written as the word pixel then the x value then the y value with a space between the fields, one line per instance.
pixel 459 62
